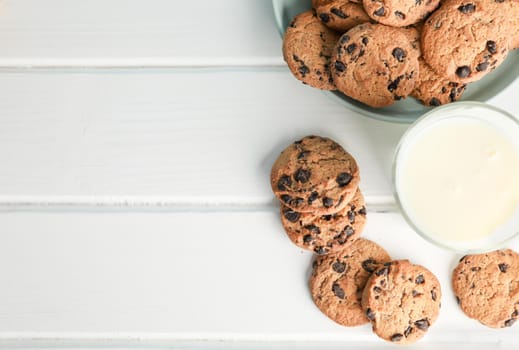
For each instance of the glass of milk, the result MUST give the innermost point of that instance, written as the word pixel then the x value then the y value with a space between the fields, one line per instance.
pixel 456 176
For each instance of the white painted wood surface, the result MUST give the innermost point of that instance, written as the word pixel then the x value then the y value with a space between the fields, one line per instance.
pixel 137 33
pixel 170 114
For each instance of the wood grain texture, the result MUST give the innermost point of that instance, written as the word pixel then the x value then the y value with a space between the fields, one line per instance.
pixel 184 276
pixel 123 33
pixel 172 137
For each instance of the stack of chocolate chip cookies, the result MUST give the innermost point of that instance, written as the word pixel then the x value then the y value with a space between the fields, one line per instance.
pixel 317 183
pixel 381 51
pixel 354 281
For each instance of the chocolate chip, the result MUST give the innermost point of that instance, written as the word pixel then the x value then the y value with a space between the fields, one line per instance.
pixel 408 331
pixel 491 47
pixel 291 215
pixel 365 40
pixel 419 279
pixel 338 291
pixel 297 201
pixel 383 271
pixel 457 300
pixel 399 15
pixel 339 66
pixel 348 230
pixel 338 13
pixel 324 17
pixel 327 202
pixel 321 250
pixel 475 269
pixel 468 8
pixel 343 179
pixel 370 314
pixel 312 197
pixel 417 2
pixel 303 70
pixel 397 337
pixel 399 54
pixel 463 71
pixel 339 267
pixel 377 289
pixel 362 211
pixel 303 154
pixel 452 95
pixel 394 84
pixel 369 265
pixel 284 182
pixel 350 48
pixel 351 216
pixel 312 228
pixel 503 267
pixel 302 175
pixel 482 66
pixel 286 198
pixel 307 239
pixel 510 322
pixel 416 294
pixel 434 102
pixel 462 258
pixel 422 324
pixel 327 217
pixel 380 12
pixel 344 39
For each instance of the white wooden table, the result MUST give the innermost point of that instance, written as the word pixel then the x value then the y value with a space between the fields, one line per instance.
pixel 136 140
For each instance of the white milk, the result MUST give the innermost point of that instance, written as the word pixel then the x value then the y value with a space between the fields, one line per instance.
pixel 458 179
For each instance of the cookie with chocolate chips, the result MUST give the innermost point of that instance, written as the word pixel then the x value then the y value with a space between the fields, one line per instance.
pixel 466 39
pixel 337 280
pixel 434 90
pixel 399 13
pixel 372 69
pixel 324 234
pixel 341 15
pixel 487 287
pixel 315 174
pixel 307 48
pixel 402 301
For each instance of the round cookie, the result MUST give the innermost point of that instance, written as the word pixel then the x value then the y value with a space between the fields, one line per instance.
pixel 337 280
pixel 325 234
pixel 487 287
pixel 341 15
pixel 399 13
pixel 402 301
pixel 307 48
pixel 372 69
pixel 466 39
pixel 434 90
pixel 315 174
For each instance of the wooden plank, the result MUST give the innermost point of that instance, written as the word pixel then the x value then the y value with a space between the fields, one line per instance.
pixel 170 138
pixel 57 33
pixel 230 276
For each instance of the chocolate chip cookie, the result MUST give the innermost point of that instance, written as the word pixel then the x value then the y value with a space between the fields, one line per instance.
pixel 341 15
pixel 324 234
pixel 434 90
pixel 337 280
pixel 466 39
pixel 402 301
pixel 399 13
pixel 372 69
pixel 307 48
pixel 487 287
pixel 315 174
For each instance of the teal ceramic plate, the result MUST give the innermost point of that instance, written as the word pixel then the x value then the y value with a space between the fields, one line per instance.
pixel 408 110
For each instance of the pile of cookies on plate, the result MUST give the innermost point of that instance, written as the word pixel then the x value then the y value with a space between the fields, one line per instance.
pixel 382 51
pixel 354 281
